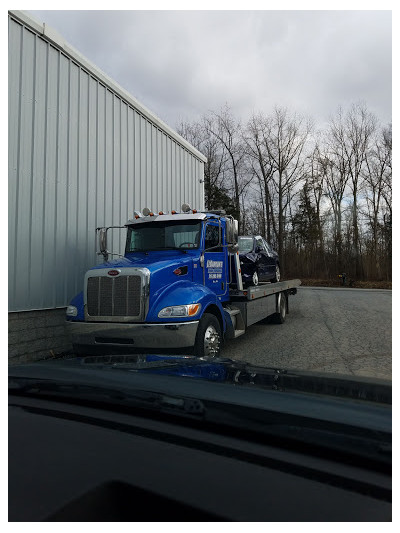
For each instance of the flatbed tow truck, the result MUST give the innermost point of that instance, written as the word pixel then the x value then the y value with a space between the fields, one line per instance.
pixel 178 286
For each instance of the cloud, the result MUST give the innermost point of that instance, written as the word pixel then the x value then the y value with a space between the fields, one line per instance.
pixel 181 64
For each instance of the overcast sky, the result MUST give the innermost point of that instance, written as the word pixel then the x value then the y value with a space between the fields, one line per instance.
pixel 181 64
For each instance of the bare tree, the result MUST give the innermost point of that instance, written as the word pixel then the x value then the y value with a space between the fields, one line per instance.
pixel 262 168
pixel 284 137
pixel 228 131
pixel 215 169
pixel 351 133
pixel 378 175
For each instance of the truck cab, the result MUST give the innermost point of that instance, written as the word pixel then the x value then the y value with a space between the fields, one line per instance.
pixel 172 283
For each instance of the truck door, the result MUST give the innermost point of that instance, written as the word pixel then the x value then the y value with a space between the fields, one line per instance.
pixel 215 262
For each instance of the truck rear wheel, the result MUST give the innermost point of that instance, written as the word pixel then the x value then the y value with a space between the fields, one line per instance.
pixel 208 337
pixel 281 305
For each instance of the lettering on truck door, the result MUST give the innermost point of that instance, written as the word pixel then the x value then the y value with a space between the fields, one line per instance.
pixel 214 259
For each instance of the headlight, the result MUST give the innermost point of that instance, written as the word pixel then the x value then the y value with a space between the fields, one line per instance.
pixel 72 310
pixel 179 310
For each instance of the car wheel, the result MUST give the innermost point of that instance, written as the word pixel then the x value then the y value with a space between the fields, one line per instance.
pixel 208 337
pixel 254 279
pixel 277 276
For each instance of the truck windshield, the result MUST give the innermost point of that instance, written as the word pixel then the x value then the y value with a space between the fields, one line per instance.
pixel 163 236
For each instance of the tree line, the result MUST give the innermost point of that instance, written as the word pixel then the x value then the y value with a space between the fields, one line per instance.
pixel 323 199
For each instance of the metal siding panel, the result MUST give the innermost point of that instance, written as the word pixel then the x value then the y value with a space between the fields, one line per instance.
pixel 14 107
pixel 116 177
pixel 143 163
pixel 148 174
pixel 189 178
pixel 174 176
pixel 24 184
pixel 109 160
pixel 137 162
pixel 101 156
pixel 74 284
pixel 92 175
pixel 169 173
pixel 163 165
pixel 130 162
pixel 62 183
pixel 158 179
pixel 82 228
pixel 123 215
pixel 154 170
pixel 37 293
pixel 49 277
pixel 181 190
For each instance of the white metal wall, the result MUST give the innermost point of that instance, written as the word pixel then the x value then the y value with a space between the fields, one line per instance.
pixel 81 155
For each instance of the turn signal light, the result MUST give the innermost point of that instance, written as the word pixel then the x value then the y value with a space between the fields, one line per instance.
pixel 192 309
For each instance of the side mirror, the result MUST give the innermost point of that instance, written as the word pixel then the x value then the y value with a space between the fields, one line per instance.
pixel 103 242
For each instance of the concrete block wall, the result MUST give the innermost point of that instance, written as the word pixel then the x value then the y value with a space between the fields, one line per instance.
pixel 34 335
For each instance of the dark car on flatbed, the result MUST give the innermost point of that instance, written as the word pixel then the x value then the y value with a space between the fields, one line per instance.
pixel 258 260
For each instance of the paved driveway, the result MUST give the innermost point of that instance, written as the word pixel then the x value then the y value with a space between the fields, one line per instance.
pixel 332 330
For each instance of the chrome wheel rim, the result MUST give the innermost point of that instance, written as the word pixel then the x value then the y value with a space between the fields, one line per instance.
pixel 211 341
pixel 278 274
pixel 255 278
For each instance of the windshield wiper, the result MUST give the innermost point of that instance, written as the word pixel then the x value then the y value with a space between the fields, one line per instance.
pixel 58 389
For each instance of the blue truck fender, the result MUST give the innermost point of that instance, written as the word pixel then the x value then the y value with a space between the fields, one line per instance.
pixel 78 302
pixel 183 293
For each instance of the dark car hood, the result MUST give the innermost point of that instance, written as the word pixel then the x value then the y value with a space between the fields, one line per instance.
pixel 227 371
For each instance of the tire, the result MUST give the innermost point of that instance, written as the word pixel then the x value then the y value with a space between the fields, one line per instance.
pixel 253 282
pixel 254 279
pixel 208 337
pixel 277 276
pixel 280 315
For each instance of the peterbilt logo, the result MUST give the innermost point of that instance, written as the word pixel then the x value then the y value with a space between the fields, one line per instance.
pixel 114 272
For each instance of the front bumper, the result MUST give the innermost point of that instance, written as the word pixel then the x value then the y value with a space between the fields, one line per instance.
pixel 169 335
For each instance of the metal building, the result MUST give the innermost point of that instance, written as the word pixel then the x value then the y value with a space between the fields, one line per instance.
pixel 83 153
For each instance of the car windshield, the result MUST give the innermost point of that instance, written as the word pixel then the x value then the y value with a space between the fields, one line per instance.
pixel 163 236
pixel 245 244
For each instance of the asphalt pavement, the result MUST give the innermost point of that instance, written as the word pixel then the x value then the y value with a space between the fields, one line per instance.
pixel 339 330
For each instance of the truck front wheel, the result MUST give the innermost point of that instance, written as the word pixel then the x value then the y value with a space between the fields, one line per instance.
pixel 208 337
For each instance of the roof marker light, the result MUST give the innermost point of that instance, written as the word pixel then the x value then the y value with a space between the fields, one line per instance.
pixel 160 213
pixel 173 212
pixel 194 211
pixel 151 214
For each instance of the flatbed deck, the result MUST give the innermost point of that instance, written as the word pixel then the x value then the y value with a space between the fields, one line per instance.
pixel 264 289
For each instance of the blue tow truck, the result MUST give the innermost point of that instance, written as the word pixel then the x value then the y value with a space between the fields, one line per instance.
pixel 178 286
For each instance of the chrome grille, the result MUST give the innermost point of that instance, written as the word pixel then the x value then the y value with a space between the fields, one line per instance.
pixel 120 296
